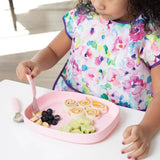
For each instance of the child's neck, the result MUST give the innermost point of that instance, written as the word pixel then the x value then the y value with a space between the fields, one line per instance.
pixel 126 18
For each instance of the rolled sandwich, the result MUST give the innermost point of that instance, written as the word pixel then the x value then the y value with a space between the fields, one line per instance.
pixel 69 104
pixel 76 112
pixel 92 113
pixel 85 103
pixel 99 106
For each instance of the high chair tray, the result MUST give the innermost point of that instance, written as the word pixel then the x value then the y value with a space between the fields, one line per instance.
pixel 55 100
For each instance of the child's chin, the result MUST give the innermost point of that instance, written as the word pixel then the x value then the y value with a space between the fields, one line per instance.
pixel 107 18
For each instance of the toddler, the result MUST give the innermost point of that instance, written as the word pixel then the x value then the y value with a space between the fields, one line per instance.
pixel 114 54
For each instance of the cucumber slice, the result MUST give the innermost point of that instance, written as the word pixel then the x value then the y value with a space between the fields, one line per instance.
pixel 87 129
pixel 76 131
pixel 80 125
pixel 66 128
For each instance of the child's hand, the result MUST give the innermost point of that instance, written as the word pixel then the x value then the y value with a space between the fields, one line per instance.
pixel 139 142
pixel 27 67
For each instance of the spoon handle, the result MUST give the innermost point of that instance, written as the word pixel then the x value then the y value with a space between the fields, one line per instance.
pixel 32 83
pixel 34 103
pixel 15 105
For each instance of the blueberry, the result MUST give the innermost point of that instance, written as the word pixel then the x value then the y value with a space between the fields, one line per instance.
pixel 47 115
pixel 54 122
pixel 49 111
pixel 51 117
pixel 44 113
pixel 57 117
pixel 49 122
pixel 44 119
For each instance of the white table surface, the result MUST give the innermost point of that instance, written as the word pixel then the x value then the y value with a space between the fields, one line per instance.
pixel 18 142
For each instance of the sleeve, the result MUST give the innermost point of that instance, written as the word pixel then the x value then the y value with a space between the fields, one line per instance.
pixel 70 22
pixel 150 52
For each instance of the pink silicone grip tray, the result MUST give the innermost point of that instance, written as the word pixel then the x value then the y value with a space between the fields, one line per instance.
pixel 55 100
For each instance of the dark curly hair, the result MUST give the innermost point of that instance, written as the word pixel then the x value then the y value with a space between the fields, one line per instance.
pixel 150 10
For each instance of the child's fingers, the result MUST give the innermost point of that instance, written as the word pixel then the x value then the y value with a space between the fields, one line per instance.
pixel 21 72
pixel 140 152
pixel 139 143
pixel 24 68
pixel 28 71
pixel 133 131
pixel 35 72
pixel 132 147
pixel 28 66
pixel 130 139
pixel 127 132
pixel 144 155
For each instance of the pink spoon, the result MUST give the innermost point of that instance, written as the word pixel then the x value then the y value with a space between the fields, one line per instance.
pixel 17 109
pixel 34 103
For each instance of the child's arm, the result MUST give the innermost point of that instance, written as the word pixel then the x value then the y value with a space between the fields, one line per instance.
pixel 151 119
pixel 141 135
pixel 50 55
pixel 46 58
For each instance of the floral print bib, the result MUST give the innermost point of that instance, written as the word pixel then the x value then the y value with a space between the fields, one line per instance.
pixel 109 59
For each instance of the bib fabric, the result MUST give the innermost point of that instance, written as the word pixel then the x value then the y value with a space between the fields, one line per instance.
pixel 109 59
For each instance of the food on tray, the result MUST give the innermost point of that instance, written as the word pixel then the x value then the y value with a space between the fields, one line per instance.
pixel 81 125
pixel 57 117
pixel 39 121
pixel 34 118
pixel 85 103
pixel 38 114
pixel 100 106
pixel 76 112
pixel 45 118
pixel 88 129
pixel 92 113
pixel 84 108
pixel 66 128
pixel 45 124
pixel 76 131
pixel 69 103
